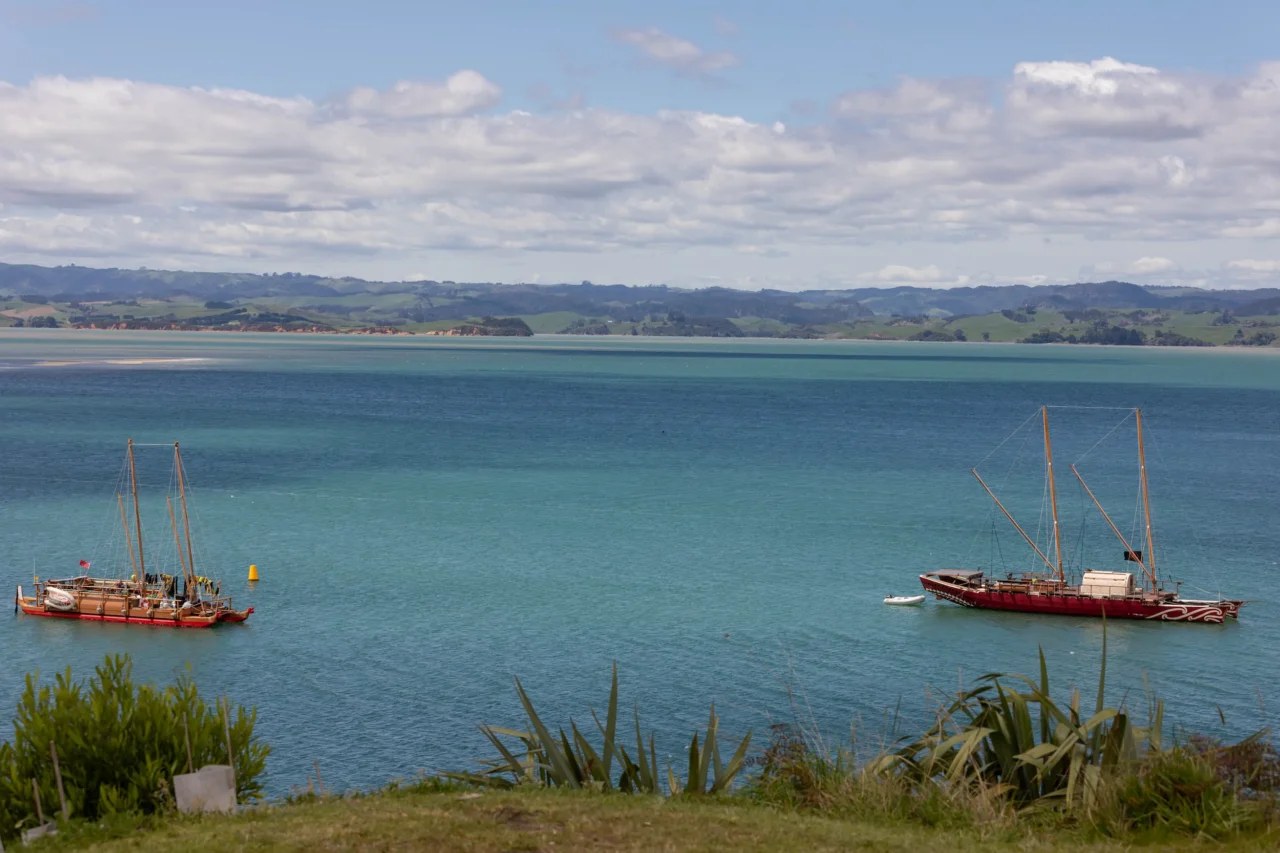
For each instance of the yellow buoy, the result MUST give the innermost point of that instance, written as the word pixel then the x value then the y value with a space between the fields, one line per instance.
pixel 253 573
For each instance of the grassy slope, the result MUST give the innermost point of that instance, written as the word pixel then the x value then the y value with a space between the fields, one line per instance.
pixel 756 324
pixel 549 324
pixel 548 820
pixel 1201 326
pixel 999 327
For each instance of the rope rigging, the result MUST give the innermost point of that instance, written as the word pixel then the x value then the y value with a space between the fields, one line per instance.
pixel 1003 481
pixel 1173 484
pixel 1079 555
pixel 114 551
pixel 1044 542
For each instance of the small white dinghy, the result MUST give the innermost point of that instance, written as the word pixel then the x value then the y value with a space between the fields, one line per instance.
pixel 59 599
pixel 907 600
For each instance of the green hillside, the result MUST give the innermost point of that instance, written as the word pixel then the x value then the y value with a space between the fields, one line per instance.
pixel 1099 312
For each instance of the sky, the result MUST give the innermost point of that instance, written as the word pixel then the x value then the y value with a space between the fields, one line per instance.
pixel 745 144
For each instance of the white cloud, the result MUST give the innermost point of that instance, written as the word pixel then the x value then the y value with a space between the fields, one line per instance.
pixel 1108 98
pixel 1241 273
pixel 935 276
pixel 1263 228
pixel 542 94
pixel 899 273
pixel 1249 265
pixel 463 93
pixel 1256 265
pixel 1248 272
pixel 1141 267
pixel 1079 153
pixel 724 26
pixel 762 251
pixel 674 52
pixel 1150 266
pixel 1100 77
pixel 909 98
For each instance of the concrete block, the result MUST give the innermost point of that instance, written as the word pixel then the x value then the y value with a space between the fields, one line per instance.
pixel 209 789
pixel 29 835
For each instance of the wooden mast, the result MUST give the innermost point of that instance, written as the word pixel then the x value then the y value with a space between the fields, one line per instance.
pixel 186 524
pixel 1146 500
pixel 1053 493
pixel 1114 529
pixel 128 537
pixel 181 558
pixel 1034 547
pixel 137 517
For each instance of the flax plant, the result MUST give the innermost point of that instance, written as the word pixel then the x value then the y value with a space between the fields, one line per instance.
pixel 570 760
pixel 989 737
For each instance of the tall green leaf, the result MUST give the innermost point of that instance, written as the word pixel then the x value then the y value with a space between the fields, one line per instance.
pixel 558 761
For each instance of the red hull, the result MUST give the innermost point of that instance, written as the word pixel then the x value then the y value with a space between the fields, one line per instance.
pixel 93 617
pixel 235 616
pixel 1070 603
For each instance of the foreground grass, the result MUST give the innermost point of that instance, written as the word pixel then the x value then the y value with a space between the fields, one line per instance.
pixel 552 820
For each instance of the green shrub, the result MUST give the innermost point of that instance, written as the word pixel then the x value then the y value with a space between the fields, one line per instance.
pixel 1179 792
pixel 800 773
pixel 1251 767
pixel 119 745
pixel 1199 787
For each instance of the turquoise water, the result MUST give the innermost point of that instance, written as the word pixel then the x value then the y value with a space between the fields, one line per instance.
pixel 431 517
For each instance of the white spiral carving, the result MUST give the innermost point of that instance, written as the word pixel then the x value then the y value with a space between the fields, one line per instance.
pixel 1188 613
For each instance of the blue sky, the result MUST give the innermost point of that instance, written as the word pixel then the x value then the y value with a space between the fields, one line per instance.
pixel 764 62
pixel 788 52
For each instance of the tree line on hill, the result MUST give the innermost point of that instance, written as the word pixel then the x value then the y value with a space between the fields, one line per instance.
pixel 446 300
pixel 1102 332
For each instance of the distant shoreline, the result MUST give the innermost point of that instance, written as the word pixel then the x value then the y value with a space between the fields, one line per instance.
pixel 1096 313
pixel 12 332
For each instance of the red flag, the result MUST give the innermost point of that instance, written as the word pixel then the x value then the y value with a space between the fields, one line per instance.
pixel 84 564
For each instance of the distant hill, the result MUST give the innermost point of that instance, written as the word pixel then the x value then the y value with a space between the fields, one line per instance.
pixel 431 301
pixel 958 301
pixel 1260 308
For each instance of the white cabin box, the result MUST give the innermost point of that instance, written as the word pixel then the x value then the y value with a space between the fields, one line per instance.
pixel 1106 584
